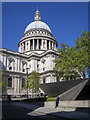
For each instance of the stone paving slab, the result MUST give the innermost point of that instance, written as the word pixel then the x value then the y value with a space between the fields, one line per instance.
pixel 53 111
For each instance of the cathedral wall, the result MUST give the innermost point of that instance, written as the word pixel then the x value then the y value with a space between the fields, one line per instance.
pixel 15 65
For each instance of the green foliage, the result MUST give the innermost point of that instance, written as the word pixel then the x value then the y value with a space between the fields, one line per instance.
pixel 33 82
pixel 3 81
pixel 36 100
pixel 82 45
pixel 72 62
pixel 51 99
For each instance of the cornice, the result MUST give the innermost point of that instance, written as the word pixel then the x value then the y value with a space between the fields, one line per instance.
pixel 13 52
pixel 41 36
pixel 33 54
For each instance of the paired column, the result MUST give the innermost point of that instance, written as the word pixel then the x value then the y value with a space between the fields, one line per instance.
pixel 37 44
pixel 52 45
pixel 49 45
pixel 46 44
pixel 33 44
pixel 20 47
pixel 26 48
pixel 29 45
pixel 23 47
pixel 55 46
pixel 42 44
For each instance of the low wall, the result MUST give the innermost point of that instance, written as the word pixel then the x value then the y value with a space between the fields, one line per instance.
pixel 75 104
pixel 50 104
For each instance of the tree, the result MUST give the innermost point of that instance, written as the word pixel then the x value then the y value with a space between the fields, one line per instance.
pixel 72 62
pixel 82 46
pixel 65 63
pixel 3 82
pixel 33 82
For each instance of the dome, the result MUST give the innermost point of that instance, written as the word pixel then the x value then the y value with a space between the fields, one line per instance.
pixel 37 24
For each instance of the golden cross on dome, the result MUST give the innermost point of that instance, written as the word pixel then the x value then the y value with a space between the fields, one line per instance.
pixel 37 7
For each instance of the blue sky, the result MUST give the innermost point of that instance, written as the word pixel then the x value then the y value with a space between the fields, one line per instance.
pixel 66 20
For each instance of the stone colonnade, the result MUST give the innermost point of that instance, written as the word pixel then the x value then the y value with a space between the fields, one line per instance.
pixel 37 44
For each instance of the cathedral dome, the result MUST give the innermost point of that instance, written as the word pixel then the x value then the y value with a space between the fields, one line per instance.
pixel 37 24
pixel 37 37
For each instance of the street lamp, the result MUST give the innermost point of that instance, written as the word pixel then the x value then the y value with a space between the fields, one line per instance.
pixel 27 81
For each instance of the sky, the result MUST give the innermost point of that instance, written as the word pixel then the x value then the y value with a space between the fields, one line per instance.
pixel 65 19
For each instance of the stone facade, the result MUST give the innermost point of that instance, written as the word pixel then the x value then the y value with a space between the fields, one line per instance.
pixel 37 50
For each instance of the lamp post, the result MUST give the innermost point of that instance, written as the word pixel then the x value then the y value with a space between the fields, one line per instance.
pixel 27 81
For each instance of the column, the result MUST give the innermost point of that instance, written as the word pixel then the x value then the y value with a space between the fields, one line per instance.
pixel 6 62
pixel 21 66
pixel 22 47
pixel 25 46
pixel 37 44
pixel 56 46
pixel 13 66
pixel 19 48
pixel 33 44
pixel 17 64
pixel 18 81
pixel 15 85
pixel 49 45
pixel 29 44
pixel 52 45
pixel 46 44
pixel 42 44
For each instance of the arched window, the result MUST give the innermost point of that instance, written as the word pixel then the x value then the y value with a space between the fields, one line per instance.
pixel 44 80
pixel 9 82
pixel 10 64
pixel 23 83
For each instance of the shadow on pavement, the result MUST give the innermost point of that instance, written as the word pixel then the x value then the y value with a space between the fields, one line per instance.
pixel 12 112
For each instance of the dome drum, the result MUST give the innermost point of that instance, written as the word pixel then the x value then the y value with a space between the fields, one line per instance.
pixel 37 44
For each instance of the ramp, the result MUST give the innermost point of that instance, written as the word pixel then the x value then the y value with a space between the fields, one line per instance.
pixel 55 89
pixel 72 93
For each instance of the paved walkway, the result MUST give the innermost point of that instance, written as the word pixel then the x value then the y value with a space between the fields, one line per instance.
pixel 53 111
